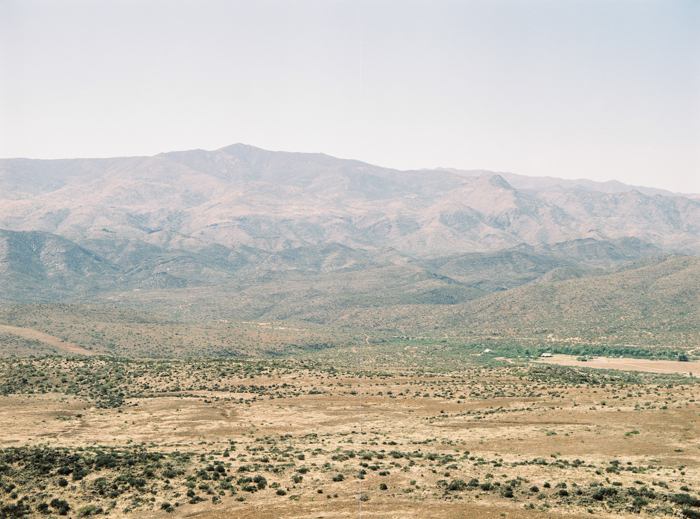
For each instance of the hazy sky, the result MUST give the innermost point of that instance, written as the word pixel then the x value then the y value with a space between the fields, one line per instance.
pixel 601 89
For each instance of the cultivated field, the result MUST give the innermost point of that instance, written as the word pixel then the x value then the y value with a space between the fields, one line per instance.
pixel 652 366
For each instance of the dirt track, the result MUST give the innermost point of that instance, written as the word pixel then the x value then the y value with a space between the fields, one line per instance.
pixel 28 333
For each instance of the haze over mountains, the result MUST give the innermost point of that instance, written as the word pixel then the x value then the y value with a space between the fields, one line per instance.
pixel 244 233
pixel 240 195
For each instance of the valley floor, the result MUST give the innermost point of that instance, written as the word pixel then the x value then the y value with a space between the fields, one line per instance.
pixel 211 439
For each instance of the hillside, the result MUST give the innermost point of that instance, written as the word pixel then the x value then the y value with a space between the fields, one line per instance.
pixel 651 304
pixel 622 294
pixel 242 235
pixel 244 196
pixel 322 281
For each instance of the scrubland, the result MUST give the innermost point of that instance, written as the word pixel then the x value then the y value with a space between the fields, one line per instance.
pixel 86 436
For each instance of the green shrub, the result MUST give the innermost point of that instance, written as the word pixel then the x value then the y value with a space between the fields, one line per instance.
pixel 685 499
pixel 87 510
pixel 602 493
pixel 639 502
pixel 60 505
pixel 261 481
pixel 457 485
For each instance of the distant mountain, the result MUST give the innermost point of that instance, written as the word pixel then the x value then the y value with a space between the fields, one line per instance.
pixel 242 197
pixel 509 268
pixel 318 280
pixel 555 183
pixel 40 266
pixel 656 301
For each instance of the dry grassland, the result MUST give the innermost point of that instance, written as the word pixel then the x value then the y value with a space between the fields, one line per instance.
pixel 279 439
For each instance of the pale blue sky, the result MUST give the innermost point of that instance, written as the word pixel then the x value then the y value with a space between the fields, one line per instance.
pixel 601 89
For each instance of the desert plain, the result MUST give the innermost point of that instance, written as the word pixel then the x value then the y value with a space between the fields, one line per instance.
pixel 258 334
pixel 205 438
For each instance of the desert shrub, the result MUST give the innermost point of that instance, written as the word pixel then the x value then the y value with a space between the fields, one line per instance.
pixel 18 509
pixel 60 505
pixel 685 499
pixel 79 474
pixel 87 510
pixel 457 485
pixel 639 502
pixel 604 492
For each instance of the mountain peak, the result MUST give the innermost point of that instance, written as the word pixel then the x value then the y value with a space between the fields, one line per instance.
pixel 493 180
pixel 243 195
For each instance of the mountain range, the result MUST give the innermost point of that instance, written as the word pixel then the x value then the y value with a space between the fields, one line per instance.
pixel 272 201
pixel 242 234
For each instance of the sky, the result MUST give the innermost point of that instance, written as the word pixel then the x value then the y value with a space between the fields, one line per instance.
pixel 597 89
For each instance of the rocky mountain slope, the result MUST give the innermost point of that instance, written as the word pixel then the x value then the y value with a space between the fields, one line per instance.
pixel 240 196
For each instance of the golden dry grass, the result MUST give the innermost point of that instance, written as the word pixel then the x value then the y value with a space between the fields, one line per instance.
pixel 510 424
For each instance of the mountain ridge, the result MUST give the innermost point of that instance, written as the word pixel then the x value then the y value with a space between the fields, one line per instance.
pixel 242 195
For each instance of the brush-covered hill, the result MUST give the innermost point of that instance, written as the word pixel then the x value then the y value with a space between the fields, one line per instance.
pixel 319 279
pixel 651 303
pixel 597 291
